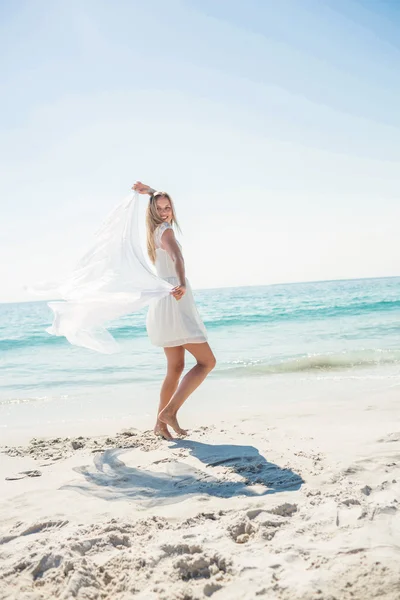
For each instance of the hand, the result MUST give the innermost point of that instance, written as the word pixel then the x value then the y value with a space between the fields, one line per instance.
pixel 141 188
pixel 178 292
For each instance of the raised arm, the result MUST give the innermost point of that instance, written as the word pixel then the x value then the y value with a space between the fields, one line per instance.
pixel 169 243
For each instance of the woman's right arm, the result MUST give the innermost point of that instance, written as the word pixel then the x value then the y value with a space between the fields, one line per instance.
pixel 142 188
pixel 169 243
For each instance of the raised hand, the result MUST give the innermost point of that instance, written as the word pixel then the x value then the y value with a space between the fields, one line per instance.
pixel 142 188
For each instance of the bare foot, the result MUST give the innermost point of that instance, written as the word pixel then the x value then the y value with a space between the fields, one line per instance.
pixel 161 430
pixel 170 419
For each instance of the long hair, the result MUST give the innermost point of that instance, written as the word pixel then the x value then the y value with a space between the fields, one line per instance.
pixel 153 220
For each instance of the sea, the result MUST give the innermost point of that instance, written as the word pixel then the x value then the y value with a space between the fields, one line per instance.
pixel 288 333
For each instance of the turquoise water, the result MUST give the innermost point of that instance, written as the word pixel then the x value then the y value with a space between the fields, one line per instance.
pixel 307 328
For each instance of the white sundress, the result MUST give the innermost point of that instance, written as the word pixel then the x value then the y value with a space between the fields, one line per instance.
pixel 172 322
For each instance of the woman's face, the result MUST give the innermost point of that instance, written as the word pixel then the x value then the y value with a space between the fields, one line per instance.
pixel 164 209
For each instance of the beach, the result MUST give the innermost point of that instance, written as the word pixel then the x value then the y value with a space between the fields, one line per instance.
pixel 286 487
pixel 289 500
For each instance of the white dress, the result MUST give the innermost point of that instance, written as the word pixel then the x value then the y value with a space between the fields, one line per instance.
pixel 172 322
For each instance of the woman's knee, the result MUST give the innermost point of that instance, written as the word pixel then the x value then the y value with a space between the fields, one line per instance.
pixel 209 363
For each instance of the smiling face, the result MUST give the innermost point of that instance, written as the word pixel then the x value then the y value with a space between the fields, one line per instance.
pixel 164 209
pixel 160 209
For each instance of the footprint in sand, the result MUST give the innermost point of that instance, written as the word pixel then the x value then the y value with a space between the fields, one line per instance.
pixel 391 437
pixel 284 510
pixel 241 530
pixel 23 474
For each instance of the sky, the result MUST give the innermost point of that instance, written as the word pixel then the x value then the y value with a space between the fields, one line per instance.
pixel 275 126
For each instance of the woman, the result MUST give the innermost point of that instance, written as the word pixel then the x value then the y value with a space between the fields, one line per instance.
pixel 173 321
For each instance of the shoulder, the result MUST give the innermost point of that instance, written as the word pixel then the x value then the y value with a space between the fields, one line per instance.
pixel 161 229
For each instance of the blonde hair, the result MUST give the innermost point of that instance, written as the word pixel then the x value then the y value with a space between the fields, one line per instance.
pixel 153 220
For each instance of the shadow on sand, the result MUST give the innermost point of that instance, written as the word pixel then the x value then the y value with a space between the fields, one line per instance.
pixel 111 479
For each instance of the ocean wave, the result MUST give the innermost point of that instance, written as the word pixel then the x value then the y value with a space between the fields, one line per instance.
pixel 317 362
pixel 69 380
pixel 227 317
pixel 312 312
pixel 45 339
pixel 28 341
pixel 28 400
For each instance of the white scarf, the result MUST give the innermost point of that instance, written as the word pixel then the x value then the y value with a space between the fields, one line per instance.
pixel 111 280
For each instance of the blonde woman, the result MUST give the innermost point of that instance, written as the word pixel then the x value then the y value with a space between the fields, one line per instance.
pixel 173 322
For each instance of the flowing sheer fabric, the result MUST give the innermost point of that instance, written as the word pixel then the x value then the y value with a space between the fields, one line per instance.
pixel 111 280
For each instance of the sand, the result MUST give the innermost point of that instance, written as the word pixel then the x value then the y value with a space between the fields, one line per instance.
pixel 298 502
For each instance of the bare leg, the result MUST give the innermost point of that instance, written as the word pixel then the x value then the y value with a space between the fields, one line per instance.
pixel 175 365
pixel 205 363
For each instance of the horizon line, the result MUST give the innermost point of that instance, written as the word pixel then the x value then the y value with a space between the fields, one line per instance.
pixel 230 287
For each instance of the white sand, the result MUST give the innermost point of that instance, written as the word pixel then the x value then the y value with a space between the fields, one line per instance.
pixel 299 503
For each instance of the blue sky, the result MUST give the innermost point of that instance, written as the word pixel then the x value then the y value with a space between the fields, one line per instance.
pixel 274 125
